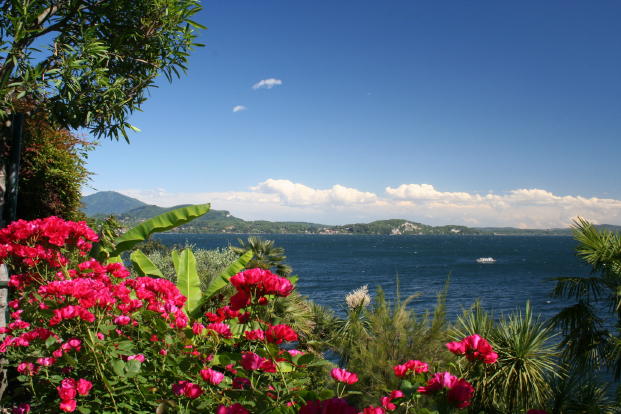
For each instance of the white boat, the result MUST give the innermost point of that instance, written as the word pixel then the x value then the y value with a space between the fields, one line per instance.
pixel 486 260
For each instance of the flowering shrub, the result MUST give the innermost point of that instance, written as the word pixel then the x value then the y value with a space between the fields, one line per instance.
pixel 84 336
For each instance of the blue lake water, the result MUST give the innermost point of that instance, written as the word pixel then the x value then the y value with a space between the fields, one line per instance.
pixel 329 266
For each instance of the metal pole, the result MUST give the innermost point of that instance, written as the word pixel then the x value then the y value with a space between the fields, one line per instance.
pixel 9 179
pixel 10 208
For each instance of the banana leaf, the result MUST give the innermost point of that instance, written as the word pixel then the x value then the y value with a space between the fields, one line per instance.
pixel 222 279
pixel 188 282
pixel 143 265
pixel 163 222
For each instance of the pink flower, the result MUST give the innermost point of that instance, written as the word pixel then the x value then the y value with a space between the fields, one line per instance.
pixel 188 389
pixel 23 408
pixel 46 362
pixel 212 376
pixel 122 320
pixel 137 357
pixel 414 366
pixel 341 375
pixel 197 328
pixel 397 394
pixel 240 383
pixel 68 406
pixel 67 389
pixel 179 387
pixel 251 361
pixel 331 406
pixel 27 368
pixel 83 386
pixel 388 404
pixel 163 352
pixel 460 394
pixel 256 335
pixel 233 409
pixel 279 333
pixel 373 410
pixel 193 391
pixel 221 328
pixel 474 347
pixel 459 391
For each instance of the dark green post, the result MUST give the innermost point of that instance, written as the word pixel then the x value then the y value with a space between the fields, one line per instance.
pixel 9 183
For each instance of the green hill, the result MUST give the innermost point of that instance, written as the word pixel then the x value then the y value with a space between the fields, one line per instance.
pixel 130 212
pixel 107 203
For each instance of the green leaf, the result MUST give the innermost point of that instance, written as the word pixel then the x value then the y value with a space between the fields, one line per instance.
pixel 118 366
pixel 222 279
pixel 163 222
pixel 284 366
pixel 143 265
pixel 187 279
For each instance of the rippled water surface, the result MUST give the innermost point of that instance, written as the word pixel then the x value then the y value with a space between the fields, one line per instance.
pixel 331 266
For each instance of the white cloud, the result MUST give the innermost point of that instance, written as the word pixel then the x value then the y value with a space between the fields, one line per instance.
pixel 424 192
pixel 267 83
pixel 238 108
pixel 281 199
pixel 293 194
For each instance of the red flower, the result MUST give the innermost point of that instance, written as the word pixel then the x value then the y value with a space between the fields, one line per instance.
pixel 341 375
pixel 459 391
pixel 256 335
pixel 460 394
pixel 251 361
pixel 240 383
pixel 197 328
pixel 279 333
pixel 475 348
pixel 373 410
pixel 412 365
pixel 221 328
pixel 23 408
pixel 211 376
pixel 331 406
pixel 233 409
pixel 68 406
pixel 83 386
pixel 27 368
pixel 67 389
pixel 187 389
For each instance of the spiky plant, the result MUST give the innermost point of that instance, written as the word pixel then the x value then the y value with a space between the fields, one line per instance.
pixel 266 255
pixel 587 341
pixel 394 333
pixel 527 359
pixel 578 392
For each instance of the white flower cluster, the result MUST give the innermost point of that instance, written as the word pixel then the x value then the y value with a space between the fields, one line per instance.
pixel 358 297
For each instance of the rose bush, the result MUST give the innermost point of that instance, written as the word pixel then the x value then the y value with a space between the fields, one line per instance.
pixel 84 336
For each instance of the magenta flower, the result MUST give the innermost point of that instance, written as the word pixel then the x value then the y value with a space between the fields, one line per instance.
pixel 83 386
pixel 251 361
pixel 341 375
pixel 212 376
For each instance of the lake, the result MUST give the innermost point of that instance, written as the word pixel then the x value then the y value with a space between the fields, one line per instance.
pixel 329 266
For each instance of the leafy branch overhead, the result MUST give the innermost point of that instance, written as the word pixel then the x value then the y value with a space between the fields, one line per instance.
pixel 90 62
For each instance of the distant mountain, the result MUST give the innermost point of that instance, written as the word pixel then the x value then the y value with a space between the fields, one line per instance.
pixel 130 212
pixel 108 203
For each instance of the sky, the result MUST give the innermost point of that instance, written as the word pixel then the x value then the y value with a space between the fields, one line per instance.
pixel 481 113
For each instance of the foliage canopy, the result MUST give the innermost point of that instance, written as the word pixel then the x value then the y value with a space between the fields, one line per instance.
pixel 89 62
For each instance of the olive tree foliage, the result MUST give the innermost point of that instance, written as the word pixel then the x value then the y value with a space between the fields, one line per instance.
pixel 89 63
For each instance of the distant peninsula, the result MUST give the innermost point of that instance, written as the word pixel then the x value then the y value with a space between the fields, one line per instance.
pixel 130 211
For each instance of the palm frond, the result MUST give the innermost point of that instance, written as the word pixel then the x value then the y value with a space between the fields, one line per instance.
pixel 580 288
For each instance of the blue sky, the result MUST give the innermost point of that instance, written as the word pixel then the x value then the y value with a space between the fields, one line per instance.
pixel 479 113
